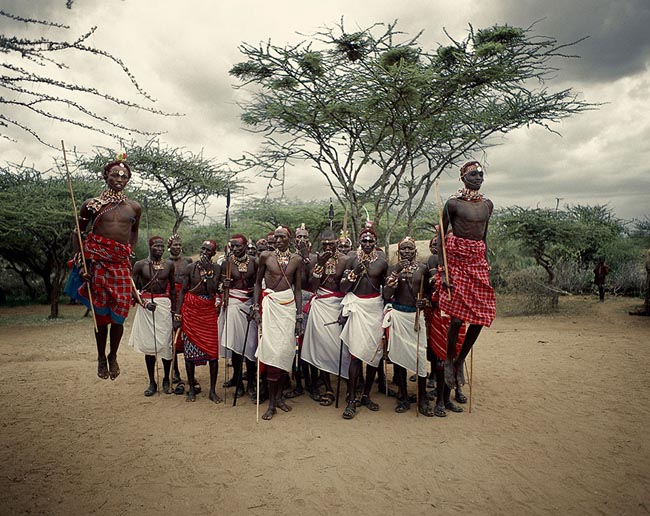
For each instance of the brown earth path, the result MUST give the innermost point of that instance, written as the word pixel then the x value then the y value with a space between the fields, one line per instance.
pixel 559 426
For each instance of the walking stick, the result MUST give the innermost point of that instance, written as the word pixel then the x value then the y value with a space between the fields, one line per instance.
pixel 226 296
pixel 338 380
pixel 385 346
pixel 417 348
pixel 471 377
pixel 442 237
pixel 243 357
pixel 174 340
pixel 81 244
pixel 259 345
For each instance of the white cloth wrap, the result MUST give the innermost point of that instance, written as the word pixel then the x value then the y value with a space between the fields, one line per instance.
pixel 321 346
pixel 362 331
pixel 403 339
pixel 278 345
pixel 142 333
pixel 231 337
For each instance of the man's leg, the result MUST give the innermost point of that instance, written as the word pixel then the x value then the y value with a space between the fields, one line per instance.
pixel 214 372
pixel 402 392
pixel 189 370
pixel 237 366
pixel 472 334
pixel 601 292
pixel 150 361
pixel 116 336
pixel 167 366
pixel 353 378
pixel 452 339
pixel 251 377
pixel 101 336
pixel 371 372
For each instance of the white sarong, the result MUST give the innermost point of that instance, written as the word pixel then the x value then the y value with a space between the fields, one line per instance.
pixel 231 337
pixel 362 331
pixel 142 331
pixel 403 339
pixel 278 345
pixel 321 346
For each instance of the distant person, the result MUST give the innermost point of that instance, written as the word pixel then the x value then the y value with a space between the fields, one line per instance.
pixel 600 273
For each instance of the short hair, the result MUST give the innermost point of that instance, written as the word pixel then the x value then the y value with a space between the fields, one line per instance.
pixel 151 240
pixel 328 234
pixel 240 237
pixel 118 163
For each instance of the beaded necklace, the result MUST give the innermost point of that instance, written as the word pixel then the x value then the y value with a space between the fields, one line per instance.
pixel 467 194
pixel 370 257
pixel 106 197
pixel 330 265
pixel 158 265
pixel 283 257
pixel 241 263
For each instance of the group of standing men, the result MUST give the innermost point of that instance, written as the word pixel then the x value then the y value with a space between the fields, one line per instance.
pixel 309 314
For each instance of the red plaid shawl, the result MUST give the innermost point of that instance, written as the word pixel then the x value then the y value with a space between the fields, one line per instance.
pixel 200 323
pixel 110 285
pixel 472 296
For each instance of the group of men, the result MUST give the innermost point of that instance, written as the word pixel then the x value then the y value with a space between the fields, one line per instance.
pixel 297 313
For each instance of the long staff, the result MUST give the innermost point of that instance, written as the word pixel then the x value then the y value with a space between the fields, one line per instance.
pixel 338 380
pixel 417 348
pixel 239 373
pixel 81 244
pixel 175 335
pixel 442 237
pixel 226 296
pixel 259 346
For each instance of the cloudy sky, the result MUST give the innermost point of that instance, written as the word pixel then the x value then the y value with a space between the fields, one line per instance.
pixel 180 52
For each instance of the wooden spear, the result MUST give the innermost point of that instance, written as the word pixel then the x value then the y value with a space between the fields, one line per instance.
pixel 81 244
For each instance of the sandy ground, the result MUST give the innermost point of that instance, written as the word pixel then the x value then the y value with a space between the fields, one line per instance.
pixel 559 425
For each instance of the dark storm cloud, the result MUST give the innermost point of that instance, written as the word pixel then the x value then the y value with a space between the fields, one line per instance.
pixel 617 46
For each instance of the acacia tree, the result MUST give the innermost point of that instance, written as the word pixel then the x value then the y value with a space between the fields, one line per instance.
pixel 381 118
pixel 36 220
pixel 178 178
pixel 29 85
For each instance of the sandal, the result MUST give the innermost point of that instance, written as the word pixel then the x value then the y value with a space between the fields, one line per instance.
pixel 439 411
pixel 180 388
pixel 402 406
pixel 426 410
pixel 450 405
pixel 327 399
pixel 350 411
pixel 294 393
pixel 315 395
pixel 460 397
pixel 369 404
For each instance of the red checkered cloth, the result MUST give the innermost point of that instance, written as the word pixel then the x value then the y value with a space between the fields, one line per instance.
pixel 438 328
pixel 199 316
pixel 110 283
pixel 472 297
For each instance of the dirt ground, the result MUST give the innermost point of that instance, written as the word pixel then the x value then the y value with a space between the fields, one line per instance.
pixel 559 425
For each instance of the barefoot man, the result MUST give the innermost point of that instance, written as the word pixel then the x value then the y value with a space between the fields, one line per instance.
pixel 467 277
pixel 198 306
pixel 152 327
pixel 281 317
pixel 363 306
pixel 114 220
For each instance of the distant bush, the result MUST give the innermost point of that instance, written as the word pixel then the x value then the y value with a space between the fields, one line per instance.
pixel 532 294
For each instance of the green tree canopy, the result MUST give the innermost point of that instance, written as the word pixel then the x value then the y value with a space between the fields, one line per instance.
pixel 184 181
pixel 381 117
